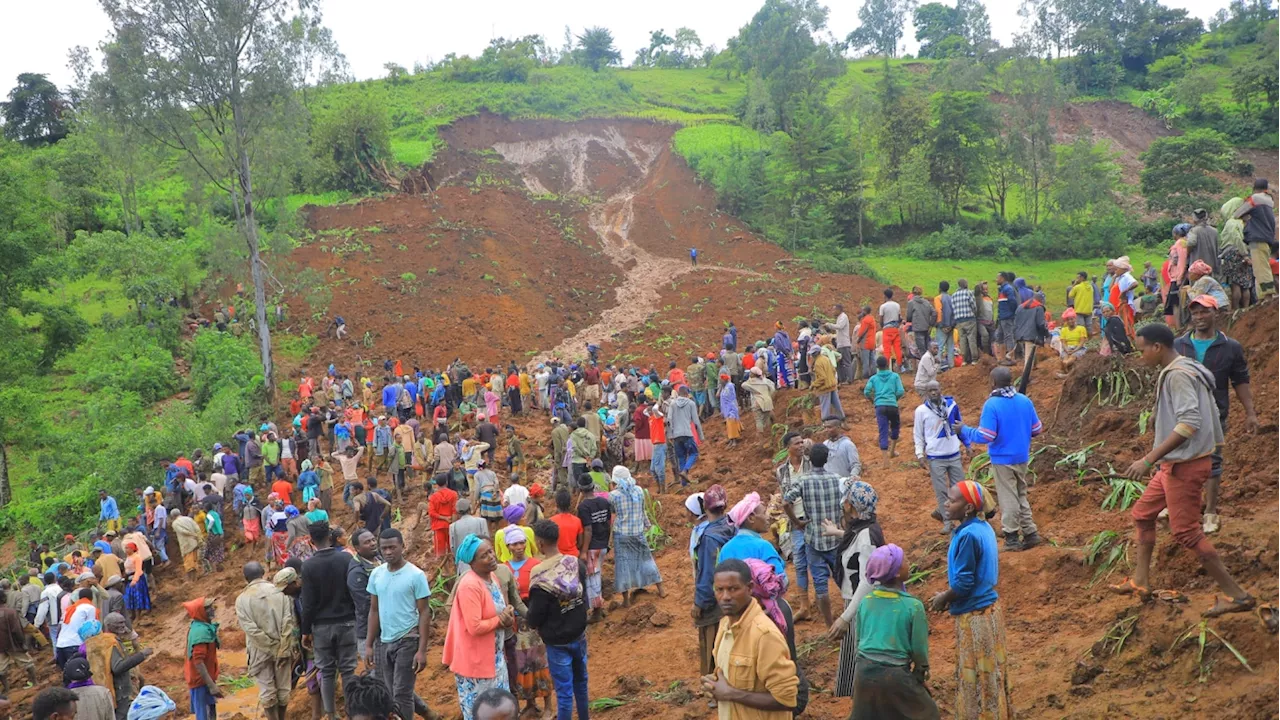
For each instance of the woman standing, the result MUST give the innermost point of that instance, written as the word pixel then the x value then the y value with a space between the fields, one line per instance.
pixel 478 622
pixel 633 562
pixel 492 404
pixel 973 568
pixel 1121 294
pixel 893 646
pixel 858 540
pixel 533 676
pixel 729 409
pixel 485 495
pixel 278 521
pixel 643 445
pixel 1235 269
pixel 137 598
pixel 215 549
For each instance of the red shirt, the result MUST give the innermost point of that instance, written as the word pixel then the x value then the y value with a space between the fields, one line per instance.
pixel 748 360
pixel 513 380
pixel 868 326
pixel 304 388
pixel 284 489
pixel 657 430
pixel 185 464
pixel 206 654
pixel 295 406
pixel 442 505
pixel 676 377
pixel 570 528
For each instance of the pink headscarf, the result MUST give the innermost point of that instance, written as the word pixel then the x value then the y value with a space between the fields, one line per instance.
pixel 767 587
pixel 744 508
pixel 1200 268
pixel 885 563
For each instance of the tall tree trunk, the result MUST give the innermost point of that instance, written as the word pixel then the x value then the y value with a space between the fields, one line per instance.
pixel 5 493
pixel 251 237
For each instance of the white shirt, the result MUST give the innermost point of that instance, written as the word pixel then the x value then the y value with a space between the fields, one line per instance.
pixel 162 518
pixel 842 332
pixel 46 610
pixel 69 634
pixel 516 495
pixel 932 434
pixel 926 369
pixel 286 449
pixel 890 312
pixel 219 482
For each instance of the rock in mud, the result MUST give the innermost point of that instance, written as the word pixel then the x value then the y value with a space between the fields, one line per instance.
pixel 660 619
pixel 640 614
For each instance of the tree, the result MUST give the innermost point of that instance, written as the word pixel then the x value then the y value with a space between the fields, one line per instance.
pixel 1033 87
pixel 779 48
pixel 974 25
pixel 396 73
pixel 213 79
pixel 596 50
pixel 960 134
pixel 935 23
pixel 25 232
pixel 33 113
pixel 349 140
pixel 880 28
pixel 656 53
pixel 1086 179
pixel 1176 173
pixel 688 48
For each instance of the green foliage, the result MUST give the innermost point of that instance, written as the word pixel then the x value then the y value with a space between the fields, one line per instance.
pixel 504 61
pixel 1176 173
pixel 595 49
pixel 61 329
pixel 25 231
pixel 1105 553
pixel 221 360
pixel 349 138
pixel 33 113
pixel 130 359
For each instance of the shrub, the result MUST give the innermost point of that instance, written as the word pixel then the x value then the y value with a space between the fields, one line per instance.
pixel 129 358
pixel 218 361
pixel 954 242
pixel 349 139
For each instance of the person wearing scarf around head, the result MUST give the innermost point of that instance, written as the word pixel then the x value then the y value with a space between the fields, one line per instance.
pixel 634 566
pixel 1122 296
pixel 1177 268
pixel 973 569
pixel 768 587
pixel 1008 423
pixel 706 541
pixel 479 619
pixel 1117 341
pixel 751 519
pixel 137 598
pixel 201 666
pixel 893 645
pixel 1201 282
pixel 859 537
pixel 729 409
pixel 513 514
pixel 189 540
pixel 308 481
pixel 1235 268
pixel 527 668
pixel 151 704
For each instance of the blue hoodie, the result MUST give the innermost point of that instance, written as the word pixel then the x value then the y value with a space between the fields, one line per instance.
pixel 885 387
pixel 1008 423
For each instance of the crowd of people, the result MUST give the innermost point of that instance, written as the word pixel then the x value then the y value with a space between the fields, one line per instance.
pixel 323 608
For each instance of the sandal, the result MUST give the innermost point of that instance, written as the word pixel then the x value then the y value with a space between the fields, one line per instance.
pixel 1245 604
pixel 1171 596
pixel 1128 587
pixel 1269 617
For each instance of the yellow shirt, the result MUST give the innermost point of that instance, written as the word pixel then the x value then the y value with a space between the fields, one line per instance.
pixel 754 656
pixel 573 391
pixel 469 387
pixel 504 553
pixel 1073 337
pixel 526 385
pixel 1082 299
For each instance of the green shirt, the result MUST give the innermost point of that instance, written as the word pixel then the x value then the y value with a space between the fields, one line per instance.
pixel 885 387
pixel 271 453
pixel 713 374
pixel 892 628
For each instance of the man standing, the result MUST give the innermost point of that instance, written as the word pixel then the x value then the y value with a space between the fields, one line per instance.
pixel 844 345
pixel 761 388
pixel 964 311
pixel 922 318
pixel 365 559
pixel 842 454
pixel 328 615
pixel 890 315
pixel 585 448
pixel 716 531
pixel 1008 423
pixel 820 492
pixel 1202 241
pixel 266 616
pixel 399 621
pixel 755 676
pixel 946 324
pixel 13 645
pixel 788 474
pixel 927 369
pixel 558 611
pixel 1186 434
pixel 693 256
pixel 109 512
pixel 938 446
pixel 1081 295
pixel 866 341
pixel 1224 358
pixel 559 439
pixel 1259 214
pixel 1006 307
pixel 681 422
pixel 824 384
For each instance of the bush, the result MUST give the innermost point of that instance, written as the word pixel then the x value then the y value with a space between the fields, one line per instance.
pixel 954 242
pixel 348 140
pixel 222 361
pixel 128 358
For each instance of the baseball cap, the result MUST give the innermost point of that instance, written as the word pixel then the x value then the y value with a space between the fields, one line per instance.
pixel 1206 300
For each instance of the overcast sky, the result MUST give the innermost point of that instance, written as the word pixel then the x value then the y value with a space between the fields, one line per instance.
pixel 373 32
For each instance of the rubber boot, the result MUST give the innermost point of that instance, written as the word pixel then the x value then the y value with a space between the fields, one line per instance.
pixel 824 607
pixel 805 610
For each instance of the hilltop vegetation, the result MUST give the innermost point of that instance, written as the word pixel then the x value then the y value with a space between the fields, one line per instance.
pixel 128 198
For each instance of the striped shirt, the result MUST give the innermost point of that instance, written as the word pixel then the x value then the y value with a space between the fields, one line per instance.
pixel 963 306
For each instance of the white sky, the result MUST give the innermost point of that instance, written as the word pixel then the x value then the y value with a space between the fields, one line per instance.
pixel 373 32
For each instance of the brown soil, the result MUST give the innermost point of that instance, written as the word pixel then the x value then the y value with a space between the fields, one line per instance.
pixel 650 208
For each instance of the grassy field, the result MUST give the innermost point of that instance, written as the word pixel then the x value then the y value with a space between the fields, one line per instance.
pixel 1053 275
pixel 92 296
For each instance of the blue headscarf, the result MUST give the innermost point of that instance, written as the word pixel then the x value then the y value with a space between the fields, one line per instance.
pixel 89 628
pixel 150 704
pixel 291 511
pixel 467 549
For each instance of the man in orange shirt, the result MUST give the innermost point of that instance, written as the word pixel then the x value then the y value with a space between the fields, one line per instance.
pixel 571 530
pixel 284 489
pixel 442 506
pixel 865 341
pixel 201 666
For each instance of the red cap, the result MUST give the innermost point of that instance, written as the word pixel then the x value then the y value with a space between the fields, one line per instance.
pixel 1206 300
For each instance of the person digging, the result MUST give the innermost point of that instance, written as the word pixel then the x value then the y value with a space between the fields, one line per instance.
pixel 1187 431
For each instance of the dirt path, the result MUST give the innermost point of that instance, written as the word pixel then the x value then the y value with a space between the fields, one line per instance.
pixel 637 297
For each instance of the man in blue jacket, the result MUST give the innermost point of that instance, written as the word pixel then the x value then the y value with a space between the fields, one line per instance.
pixel 706 551
pixel 1008 423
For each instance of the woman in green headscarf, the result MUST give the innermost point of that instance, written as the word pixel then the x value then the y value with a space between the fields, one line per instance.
pixel 1235 269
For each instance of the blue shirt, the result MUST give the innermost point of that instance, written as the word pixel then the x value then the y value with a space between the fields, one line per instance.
pixel 398 594
pixel 412 387
pixel 1008 302
pixel 389 396
pixel 110 511
pixel 748 544
pixel 973 566
pixel 308 478
pixel 1006 428
pixel 1201 346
